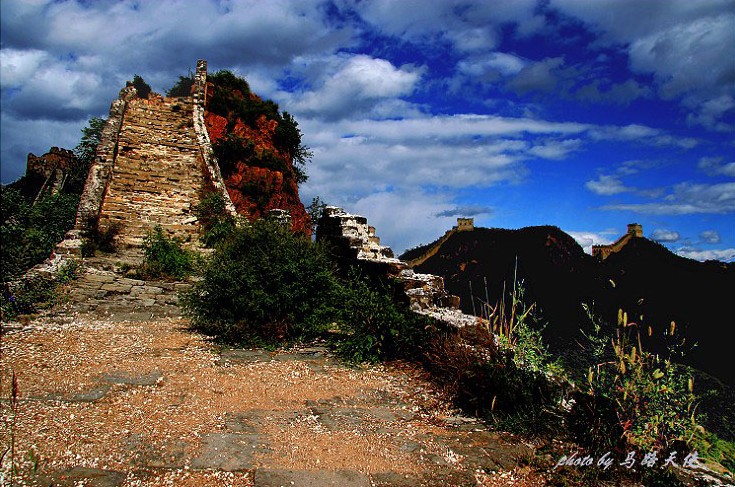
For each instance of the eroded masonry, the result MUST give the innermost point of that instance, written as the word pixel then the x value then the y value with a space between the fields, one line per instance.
pixel 153 164
pixel 354 240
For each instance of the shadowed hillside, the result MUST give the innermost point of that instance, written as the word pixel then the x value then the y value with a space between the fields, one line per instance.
pixel 644 278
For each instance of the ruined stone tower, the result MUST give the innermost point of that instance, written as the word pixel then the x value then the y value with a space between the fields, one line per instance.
pixel 153 164
pixel 465 224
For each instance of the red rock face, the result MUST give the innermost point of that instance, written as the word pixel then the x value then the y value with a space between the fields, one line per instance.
pixel 255 190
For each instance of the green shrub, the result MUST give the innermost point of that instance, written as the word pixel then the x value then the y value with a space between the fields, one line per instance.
pixel 31 231
pixel 264 284
pixel 182 87
pixel 232 149
pixel 216 222
pixel 373 327
pixel 143 88
pixel 717 449
pixel 38 291
pixel 163 256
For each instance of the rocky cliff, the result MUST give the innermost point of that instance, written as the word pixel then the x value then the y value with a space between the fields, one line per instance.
pixel 255 146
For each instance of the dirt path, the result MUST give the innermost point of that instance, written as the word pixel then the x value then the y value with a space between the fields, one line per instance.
pixel 124 403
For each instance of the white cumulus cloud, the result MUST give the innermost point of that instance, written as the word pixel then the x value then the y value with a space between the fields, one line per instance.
pixel 663 235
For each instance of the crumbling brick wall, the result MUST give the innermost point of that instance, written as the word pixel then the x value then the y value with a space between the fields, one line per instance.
pixel 355 241
pixel 153 164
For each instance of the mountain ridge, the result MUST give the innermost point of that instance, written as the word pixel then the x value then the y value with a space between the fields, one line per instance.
pixel 643 278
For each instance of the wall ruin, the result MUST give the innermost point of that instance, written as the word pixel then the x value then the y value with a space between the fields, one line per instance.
pixel 153 163
pixel 355 241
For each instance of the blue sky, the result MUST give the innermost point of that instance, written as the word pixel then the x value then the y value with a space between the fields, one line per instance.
pixel 585 115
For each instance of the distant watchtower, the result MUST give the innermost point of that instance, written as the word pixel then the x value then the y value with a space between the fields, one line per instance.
pixel 465 224
pixel 635 229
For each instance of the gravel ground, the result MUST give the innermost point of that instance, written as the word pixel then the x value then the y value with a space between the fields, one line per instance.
pixel 124 403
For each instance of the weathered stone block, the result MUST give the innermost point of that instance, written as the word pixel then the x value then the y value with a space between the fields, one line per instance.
pixel 116 287
pixel 101 278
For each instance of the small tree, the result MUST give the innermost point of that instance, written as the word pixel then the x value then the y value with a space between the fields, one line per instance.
pixel 85 152
pixel 143 88
pixel 264 284
pixel 288 139
pixel 314 210
pixel 182 86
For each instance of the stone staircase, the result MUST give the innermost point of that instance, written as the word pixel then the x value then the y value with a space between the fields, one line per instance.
pixel 159 173
pixel 104 289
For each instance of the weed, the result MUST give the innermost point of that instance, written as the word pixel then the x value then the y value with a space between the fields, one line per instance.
pixel 164 256
pixel 38 291
pixel 632 397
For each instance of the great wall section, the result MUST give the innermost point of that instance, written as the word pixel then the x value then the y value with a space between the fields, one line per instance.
pixel 602 252
pixel 463 225
pixel 355 241
pixel 150 402
pixel 153 164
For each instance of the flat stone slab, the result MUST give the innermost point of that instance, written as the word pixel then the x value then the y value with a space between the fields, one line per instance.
pixel 319 478
pixel 148 379
pixel 91 395
pixel 89 477
pixel 231 452
pixel 239 355
pixel 101 278
pixel 169 455
pixel 252 422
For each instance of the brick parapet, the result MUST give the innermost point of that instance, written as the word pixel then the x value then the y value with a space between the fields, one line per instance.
pixel 99 175
pixel 205 144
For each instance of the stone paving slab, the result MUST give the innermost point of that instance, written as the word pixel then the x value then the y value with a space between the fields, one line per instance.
pixel 117 377
pixel 88 477
pixel 230 452
pixel 91 395
pixel 251 422
pixel 391 479
pixel 295 478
